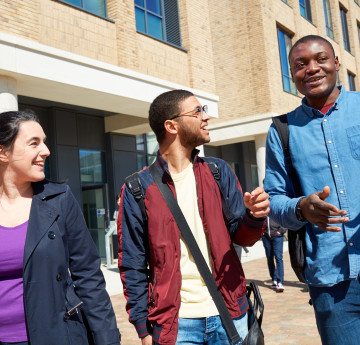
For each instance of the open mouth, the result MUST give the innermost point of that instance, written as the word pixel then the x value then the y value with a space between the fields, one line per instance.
pixel 39 164
pixel 314 81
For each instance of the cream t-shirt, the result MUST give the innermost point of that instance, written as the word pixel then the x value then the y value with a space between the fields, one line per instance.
pixel 196 300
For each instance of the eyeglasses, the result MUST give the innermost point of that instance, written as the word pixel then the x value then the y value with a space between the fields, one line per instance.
pixel 198 112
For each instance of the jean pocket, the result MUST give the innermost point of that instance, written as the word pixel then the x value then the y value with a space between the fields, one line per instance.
pixel 353 134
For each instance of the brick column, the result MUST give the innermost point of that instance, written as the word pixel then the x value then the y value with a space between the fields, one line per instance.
pixel 8 94
pixel 260 146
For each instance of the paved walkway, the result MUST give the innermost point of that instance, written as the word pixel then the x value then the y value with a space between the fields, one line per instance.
pixel 288 318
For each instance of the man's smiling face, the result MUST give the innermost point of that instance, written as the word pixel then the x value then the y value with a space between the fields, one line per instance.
pixel 314 70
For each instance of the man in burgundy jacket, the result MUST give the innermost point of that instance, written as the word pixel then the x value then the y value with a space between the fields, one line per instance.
pixel 167 299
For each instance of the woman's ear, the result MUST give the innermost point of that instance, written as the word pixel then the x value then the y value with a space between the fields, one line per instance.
pixel 3 155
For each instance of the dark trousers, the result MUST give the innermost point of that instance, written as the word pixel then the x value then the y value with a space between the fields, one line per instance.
pixel 274 250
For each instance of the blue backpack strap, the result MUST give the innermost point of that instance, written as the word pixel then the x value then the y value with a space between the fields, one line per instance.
pixel 217 177
pixel 134 184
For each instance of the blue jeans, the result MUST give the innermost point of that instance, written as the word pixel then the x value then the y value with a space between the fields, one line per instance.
pixel 337 312
pixel 274 249
pixel 209 331
pixel 22 343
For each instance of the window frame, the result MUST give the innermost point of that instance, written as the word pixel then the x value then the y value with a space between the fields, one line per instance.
pixel 351 81
pixel 345 30
pixel 160 16
pixel 328 19
pixel 284 65
pixel 306 6
pixel 105 16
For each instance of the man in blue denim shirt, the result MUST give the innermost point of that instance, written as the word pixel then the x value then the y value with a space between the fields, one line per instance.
pixel 324 141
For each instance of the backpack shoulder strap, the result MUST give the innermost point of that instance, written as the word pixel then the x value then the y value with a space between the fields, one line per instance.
pixel 281 125
pixel 217 177
pixel 134 184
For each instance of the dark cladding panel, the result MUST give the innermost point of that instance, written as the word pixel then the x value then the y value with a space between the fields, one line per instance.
pixel 69 169
pixel 123 142
pixel 65 124
pixel 125 163
pixel 91 131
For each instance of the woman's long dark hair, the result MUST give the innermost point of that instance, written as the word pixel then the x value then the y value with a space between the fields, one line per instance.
pixel 9 126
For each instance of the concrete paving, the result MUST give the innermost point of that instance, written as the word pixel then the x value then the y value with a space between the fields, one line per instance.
pixel 288 317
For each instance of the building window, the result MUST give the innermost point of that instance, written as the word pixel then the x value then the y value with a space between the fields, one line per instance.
pixel 285 1
pixel 97 7
pixel 159 19
pixel 328 19
pixel 305 9
pixel 357 2
pixel 345 31
pixel 146 148
pixel 284 48
pixel 358 30
pixel 92 167
pixel 351 79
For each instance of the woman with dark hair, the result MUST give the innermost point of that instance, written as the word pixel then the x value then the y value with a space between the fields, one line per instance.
pixel 52 291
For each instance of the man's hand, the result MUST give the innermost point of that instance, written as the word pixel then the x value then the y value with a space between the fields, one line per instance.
pixel 147 340
pixel 321 213
pixel 257 202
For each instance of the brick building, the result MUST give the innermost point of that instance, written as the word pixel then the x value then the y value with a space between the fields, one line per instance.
pixel 90 69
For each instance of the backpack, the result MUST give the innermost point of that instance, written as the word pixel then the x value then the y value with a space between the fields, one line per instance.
pixel 134 184
pixel 296 239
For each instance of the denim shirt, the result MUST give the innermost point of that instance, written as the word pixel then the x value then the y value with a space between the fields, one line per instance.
pixel 325 151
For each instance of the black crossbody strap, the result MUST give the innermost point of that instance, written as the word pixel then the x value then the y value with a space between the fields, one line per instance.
pixel 197 255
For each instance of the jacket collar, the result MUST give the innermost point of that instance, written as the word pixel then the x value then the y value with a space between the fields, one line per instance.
pixel 164 165
pixel 45 189
pixel 42 215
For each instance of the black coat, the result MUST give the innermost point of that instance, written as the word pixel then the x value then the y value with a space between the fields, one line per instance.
pixel 64 288
pixel 272 228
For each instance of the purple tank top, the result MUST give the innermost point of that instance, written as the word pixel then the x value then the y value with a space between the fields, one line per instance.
pixel 12 314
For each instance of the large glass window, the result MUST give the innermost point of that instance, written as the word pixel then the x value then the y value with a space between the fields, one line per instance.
pixel 159 19
pixel 97 7
pixel 345 31
pixel 92 167
pixel 351 79
pixel 284 48
pixel 328 19
pixel 305 9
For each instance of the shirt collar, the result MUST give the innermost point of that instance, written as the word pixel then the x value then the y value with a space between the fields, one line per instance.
pixel 312 112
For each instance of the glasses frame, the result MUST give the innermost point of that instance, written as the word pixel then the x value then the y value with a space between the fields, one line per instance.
pixel 200 110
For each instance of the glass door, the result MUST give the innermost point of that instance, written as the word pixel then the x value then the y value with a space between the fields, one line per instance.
pixel 96 214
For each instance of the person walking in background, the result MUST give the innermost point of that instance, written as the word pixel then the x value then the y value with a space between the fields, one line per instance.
pixel 116 212
pixel 273 241
pixel 324 137
pixel 167 299
pixel 52 291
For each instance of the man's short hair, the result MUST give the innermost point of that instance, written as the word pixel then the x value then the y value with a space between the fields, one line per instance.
pixel 164 107
pixel 311 38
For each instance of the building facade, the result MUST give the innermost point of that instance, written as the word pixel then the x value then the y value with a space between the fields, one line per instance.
pixel 90 69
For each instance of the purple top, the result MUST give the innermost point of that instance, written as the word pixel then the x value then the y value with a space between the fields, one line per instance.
pixel 12 313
